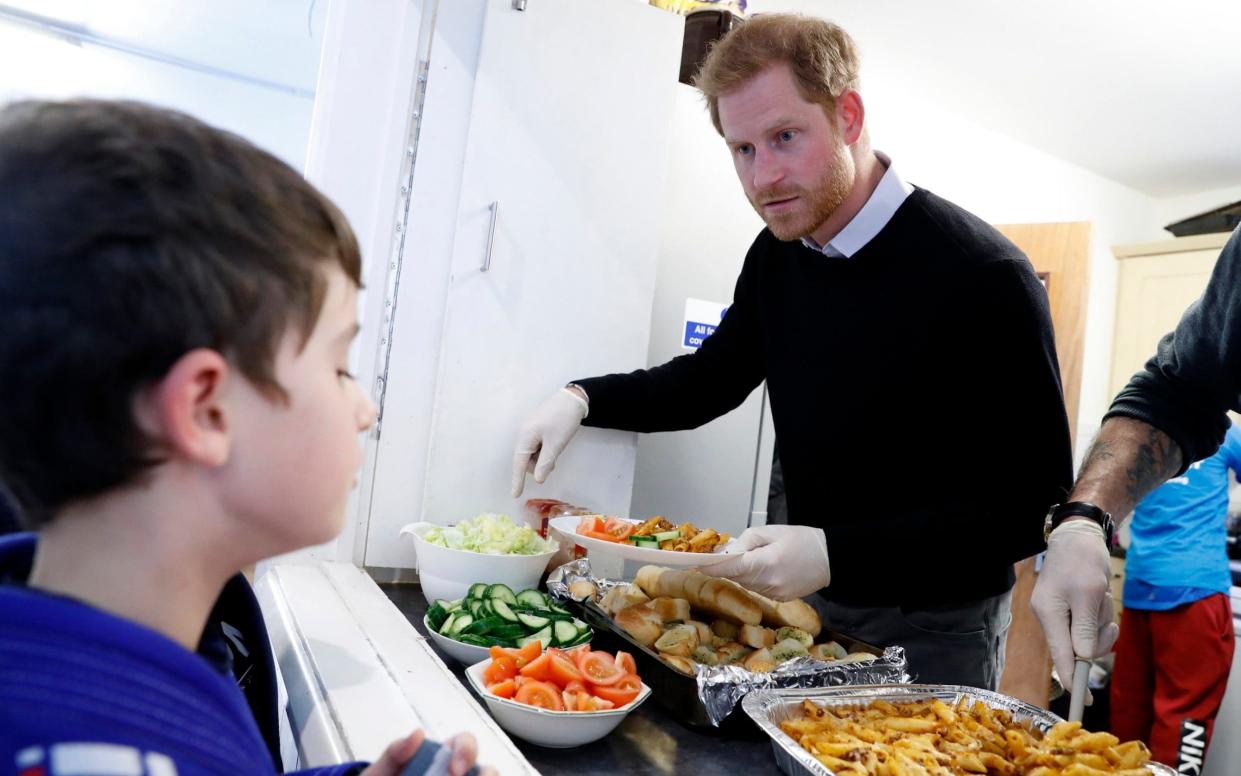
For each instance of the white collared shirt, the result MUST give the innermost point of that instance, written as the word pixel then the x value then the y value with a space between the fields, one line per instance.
pixel 871 219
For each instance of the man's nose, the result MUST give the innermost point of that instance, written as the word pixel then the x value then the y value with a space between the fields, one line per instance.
pixel 767 170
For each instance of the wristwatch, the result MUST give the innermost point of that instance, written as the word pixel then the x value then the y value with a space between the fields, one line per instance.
pixel 1058 512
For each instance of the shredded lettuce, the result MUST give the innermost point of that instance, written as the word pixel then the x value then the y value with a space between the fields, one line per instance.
pixel 490 534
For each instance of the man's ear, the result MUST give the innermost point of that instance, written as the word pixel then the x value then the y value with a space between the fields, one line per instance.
pixel 189 408
pixel 850 116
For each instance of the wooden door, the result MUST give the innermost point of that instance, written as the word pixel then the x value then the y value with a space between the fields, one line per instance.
pixel 1060 253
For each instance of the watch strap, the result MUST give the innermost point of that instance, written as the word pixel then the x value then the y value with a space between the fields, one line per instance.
pixel 1061 512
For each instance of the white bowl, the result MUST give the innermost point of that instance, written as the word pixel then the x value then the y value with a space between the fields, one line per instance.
pixel 555 729
pixel 447 574
pixel 466 654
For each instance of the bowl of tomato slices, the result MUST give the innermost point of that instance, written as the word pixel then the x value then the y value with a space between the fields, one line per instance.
pixel 558 698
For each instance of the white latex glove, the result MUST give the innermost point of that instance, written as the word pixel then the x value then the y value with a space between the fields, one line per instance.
pixel 1071 597
pixel 779 561
pixel 544 434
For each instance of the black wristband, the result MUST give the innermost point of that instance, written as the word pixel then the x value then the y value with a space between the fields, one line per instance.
pixel 1060 512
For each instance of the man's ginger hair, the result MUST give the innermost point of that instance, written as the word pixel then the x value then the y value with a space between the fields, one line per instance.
pixel 820 54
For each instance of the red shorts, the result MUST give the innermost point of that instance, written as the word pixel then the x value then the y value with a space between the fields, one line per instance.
pixel 1169 678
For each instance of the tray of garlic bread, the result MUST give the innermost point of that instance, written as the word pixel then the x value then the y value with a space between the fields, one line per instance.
pixel 703 642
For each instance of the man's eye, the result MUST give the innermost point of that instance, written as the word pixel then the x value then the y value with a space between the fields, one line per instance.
pixel 787 135
pixel 744 150
pixel 344 373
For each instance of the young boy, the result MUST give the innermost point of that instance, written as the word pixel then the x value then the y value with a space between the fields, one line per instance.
pixel 176 311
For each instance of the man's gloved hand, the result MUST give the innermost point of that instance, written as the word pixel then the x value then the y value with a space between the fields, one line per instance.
pixel 1071 597
pixel 544 435
pixel 779 561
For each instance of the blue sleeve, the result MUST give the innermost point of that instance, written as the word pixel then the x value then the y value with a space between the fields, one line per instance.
pixel 1232 449
pixel 344 769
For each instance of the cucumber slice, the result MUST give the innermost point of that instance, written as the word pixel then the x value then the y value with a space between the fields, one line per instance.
pixel 484 626
pixel 449 606
pixel 501 593
pixel 446 627
pixel 533 622
pixel 544 635
pixel 564 632
pixel 475 640
pixel 532 598
pixel 475 605
pixel 460 623
pixel 436 615
pixel 508 631
pixel 580 640
pixel 502 610
pixel 560 610
pixel 477 590
pixel 664 536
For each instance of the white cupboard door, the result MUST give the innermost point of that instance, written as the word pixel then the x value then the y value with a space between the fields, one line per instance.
pixel 567 150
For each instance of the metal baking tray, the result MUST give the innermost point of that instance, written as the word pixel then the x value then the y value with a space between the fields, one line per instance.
pixel 768 708
pixel 673 690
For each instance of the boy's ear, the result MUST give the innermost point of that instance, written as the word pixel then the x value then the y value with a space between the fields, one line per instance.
pixel 189 408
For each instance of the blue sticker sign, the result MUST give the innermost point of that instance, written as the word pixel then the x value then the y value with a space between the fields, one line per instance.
pixel 701 320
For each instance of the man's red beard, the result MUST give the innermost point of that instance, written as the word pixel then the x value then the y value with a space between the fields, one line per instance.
pixel 815 204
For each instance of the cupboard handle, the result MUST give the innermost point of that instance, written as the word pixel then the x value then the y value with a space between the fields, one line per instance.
pixel 491 235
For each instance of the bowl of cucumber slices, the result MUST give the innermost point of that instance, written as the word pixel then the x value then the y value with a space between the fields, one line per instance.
pixel 494 615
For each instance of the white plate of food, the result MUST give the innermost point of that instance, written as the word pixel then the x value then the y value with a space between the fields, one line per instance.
pixel 652 550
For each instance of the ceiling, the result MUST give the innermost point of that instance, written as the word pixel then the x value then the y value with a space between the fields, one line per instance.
pixel 1144 92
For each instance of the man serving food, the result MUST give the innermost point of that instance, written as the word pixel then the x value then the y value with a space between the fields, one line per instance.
pixel 925 320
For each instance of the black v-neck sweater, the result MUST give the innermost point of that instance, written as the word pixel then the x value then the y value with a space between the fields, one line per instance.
pixel 916 399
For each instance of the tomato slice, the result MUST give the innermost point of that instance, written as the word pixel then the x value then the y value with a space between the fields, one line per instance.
pixel 527 654
pixel 620 529
pixel 625 662
pixel 539 669
pixel 505 689
pixel 570 700
pixel 600 668
pixel 501 669
pixel 575 687
pixel 563 671
pixel 620 693
pixel 540 694
pixel 602 536
pixel 588 702
pixel 590 523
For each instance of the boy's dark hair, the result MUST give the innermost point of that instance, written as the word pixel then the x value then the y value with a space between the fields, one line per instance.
pixel 129 236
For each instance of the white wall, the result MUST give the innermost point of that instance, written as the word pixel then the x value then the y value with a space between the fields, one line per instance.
pixel 39 66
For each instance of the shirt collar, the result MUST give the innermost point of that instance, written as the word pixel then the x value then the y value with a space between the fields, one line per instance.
pixel 871 219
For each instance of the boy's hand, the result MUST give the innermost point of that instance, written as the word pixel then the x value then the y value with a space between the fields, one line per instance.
pixel 400 752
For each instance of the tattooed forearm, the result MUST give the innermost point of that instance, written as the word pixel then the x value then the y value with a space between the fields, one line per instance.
pixel 1155 460
pixel 1128 460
